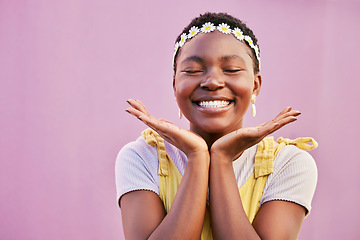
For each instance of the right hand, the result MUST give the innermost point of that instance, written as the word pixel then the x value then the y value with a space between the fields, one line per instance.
pixel 187 141
pixel 230 146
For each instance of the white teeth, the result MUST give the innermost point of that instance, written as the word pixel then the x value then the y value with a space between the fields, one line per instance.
pixel 214 104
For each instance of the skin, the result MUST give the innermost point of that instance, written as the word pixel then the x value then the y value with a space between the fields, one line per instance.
pixel 211 66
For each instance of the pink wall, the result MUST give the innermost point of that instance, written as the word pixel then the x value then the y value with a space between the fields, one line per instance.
pixel 68 68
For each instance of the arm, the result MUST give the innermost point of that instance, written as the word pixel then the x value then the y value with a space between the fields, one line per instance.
pixel 294 182
pixel 275 219
pixel 279 220
pixel 143 213
pixel 229 220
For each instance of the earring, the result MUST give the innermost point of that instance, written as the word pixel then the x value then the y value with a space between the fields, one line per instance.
pixel 253 108
pixel 180 114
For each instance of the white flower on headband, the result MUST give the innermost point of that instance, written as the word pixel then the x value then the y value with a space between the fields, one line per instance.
pixel 256 48
pixel 258 58
pixel 176 47
pixel 193 31
pixel 224 28
pixel 250 41
pixel 238 34
pixel 183 38
pixel 207 27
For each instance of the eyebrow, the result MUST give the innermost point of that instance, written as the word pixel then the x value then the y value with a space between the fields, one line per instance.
pixel 193 58
pixel 231 57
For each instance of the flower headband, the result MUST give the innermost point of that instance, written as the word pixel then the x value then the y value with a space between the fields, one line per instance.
pixel 223 28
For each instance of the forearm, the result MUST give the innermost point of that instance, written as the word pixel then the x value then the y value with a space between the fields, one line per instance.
pixel 186 216
pixel 228 218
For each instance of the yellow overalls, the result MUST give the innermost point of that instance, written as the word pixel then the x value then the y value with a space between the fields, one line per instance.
pixel 250 193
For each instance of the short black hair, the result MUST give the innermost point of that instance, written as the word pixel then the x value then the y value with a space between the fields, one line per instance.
pixel 218 18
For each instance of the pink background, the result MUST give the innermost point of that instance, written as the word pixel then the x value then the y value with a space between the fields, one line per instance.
pixel 67 68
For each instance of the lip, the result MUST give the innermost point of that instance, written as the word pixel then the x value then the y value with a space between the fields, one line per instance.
pixel 212 98
pixel 212 110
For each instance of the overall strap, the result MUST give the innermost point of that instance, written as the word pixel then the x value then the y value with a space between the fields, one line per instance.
pixel 154 139
pixel 299 142
pixel 169 175
pixel 252 190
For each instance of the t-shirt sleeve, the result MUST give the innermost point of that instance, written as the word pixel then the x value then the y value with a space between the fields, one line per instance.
pixel 136 168
pixel 294 178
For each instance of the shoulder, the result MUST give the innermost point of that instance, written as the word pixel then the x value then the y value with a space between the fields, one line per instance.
pixel 137 165
pixel 292 156
pixel 136 168
pixel 137 149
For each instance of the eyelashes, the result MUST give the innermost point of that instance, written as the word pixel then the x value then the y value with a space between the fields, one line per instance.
pixel 226 71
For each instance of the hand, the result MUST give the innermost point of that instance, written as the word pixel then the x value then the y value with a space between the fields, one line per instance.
pixel 230 146
pixel 188 142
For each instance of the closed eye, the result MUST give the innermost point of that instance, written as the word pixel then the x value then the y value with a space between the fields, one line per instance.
pixel 193 72
pixel 231 70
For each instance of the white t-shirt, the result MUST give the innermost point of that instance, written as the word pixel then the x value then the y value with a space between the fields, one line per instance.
pixel 294 177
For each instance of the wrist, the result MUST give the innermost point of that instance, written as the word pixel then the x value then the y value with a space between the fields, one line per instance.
pixel 220 160
pixel 199 159
pixel 224 157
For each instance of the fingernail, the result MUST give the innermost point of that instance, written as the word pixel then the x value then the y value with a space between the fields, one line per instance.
pixel 127 111
pixel 128 102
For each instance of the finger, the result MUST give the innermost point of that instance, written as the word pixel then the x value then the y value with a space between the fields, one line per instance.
pixel 275 124
pixel 287 114
pixel 164 120
pixel 283 122
pixel 287 120
pixel 285 117
pixel 151 123
pixel 269 128
pixel 165 129
pixel 287 109
pixel 137 105
pixel 142 107
pixel 135 112
pixel 163 126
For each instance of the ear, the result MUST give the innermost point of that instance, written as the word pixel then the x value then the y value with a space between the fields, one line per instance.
pixel 257 84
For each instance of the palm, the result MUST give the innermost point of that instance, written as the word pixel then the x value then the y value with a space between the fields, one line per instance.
pixel 234 143
pixel 185 140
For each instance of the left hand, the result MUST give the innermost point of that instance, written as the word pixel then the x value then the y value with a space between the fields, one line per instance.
pixel 230 146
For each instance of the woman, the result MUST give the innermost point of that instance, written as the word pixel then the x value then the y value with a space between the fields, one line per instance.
pixel 184 184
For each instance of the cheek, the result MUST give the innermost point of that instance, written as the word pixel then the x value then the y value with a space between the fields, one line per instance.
pixel 243 90
pixel 184 87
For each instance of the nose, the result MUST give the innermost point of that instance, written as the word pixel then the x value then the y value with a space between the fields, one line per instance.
pixel 212 82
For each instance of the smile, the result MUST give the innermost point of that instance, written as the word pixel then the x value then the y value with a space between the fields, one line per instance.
pixel 214 104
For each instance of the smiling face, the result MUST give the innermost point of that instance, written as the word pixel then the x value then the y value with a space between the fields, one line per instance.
pixel 214 81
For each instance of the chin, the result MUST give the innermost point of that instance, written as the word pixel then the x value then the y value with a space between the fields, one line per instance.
pixel 217 127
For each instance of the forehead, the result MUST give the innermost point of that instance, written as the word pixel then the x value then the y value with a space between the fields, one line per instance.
pixel 214 44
